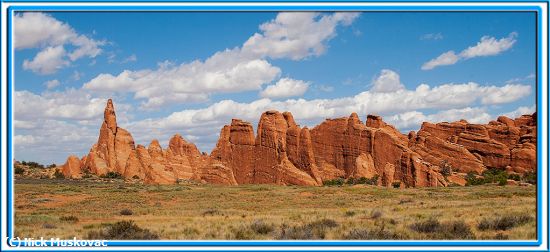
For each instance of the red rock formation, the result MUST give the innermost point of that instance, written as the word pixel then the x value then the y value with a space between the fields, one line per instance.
pixel 502 144
pixel 272 163
pixel 283 153
pixel 235 148
pixel 115 151
pixel 71 168
pixel 113 147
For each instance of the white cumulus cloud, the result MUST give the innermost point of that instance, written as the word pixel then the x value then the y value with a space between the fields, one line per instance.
pixel 51 84
pixel 47 61
pixel 41 30
pixel 285 87
pixel 387 81
pixel 448 58
pixel 487 46
pixel 294 35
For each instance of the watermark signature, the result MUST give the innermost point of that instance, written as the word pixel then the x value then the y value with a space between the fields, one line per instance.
pixel 54 242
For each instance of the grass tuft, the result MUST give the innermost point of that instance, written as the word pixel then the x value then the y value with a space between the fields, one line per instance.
pixel 447 230
pixel 126 212
pixel 504 222
pixel 260 227
pixel 372 234
pixel 312 231
pixel 70 218
pixel 123 230
pixel 211 212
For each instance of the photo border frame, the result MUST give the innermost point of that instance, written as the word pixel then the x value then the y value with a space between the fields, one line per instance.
pixel 284 5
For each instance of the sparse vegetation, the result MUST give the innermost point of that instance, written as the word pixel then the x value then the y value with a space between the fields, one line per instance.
pixel 350 213
pixel 31 164
pixel 430 225
pixel 58 174
pixel 375 214
pixel 352 181
pixel 334 182
pixel 404 201
pixel 19 170
pixel 515 177
pixel 489 176
pixel 112 175
pixel 530 177
pixel 447 230
pixel 123 230
pixel 48 226
pixel 211 212
pixel 260 227
pixel 69 218
pixel 504 222
pixel 126 212
pixel 378 233
pixel 314 230
pixel 267 212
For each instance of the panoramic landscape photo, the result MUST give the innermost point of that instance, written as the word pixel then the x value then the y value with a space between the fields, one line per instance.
pixel 275 125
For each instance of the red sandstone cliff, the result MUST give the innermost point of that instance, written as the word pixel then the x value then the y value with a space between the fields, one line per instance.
pixel 282 152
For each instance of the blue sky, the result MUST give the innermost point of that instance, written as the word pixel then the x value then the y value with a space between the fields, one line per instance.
pixel 190 73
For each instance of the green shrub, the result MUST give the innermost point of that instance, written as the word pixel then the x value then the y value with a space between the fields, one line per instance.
pixel 349 213
pixel 334 182
pixel 70 218
pixel 396 184
pixel 32 164
pixel 352 181
pixel 491 175
pixel 112 175
pixel 369 181
pixel 530 177
pixel 495 176
pixel 19 170
pixel 502 181
pixel 123 230
pixel 472 179
pixel 126 212
pixel 504 222
pixel 58 174
pixel 515 177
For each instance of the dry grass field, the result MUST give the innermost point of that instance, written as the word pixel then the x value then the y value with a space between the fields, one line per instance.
pixel 85 209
